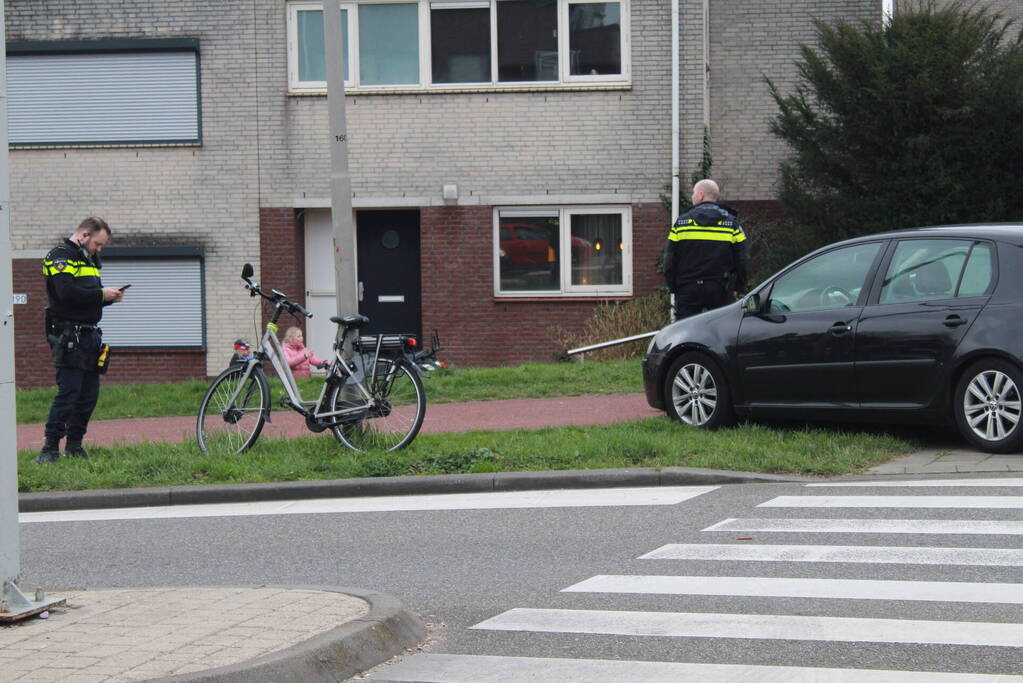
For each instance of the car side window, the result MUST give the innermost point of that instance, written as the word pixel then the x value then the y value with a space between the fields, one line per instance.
pixel 831 280
pixel 924 270
pixel 978 275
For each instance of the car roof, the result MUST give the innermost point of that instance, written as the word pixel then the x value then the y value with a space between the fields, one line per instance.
pixel 1002 232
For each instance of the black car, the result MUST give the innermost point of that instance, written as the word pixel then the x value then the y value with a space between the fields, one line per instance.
pixel 921 325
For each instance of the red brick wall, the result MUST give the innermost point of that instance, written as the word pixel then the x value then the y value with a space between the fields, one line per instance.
pixel 458 290
pixel 34 367
pixel 282 255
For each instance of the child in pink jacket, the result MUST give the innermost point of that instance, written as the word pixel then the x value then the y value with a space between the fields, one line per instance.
pixel 299 357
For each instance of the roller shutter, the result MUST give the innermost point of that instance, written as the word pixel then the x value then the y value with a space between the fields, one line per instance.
pixel 163 308
pixel 103 98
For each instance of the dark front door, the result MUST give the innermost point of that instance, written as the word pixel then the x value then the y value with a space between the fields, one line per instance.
pixel 389 276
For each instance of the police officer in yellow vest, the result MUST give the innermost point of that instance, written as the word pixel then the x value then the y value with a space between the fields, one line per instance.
pixel 76 300
pixel 706 259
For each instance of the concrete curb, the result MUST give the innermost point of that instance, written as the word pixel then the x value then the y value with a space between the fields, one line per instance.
pixel 386 630
pixel 390 486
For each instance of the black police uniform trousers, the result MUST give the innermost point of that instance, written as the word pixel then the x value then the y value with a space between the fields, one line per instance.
pixel 699 296
pixel 77 389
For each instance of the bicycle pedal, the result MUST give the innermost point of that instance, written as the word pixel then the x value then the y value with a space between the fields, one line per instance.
pixel 284 402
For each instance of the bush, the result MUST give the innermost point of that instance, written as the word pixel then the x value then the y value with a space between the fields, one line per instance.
pixel 913 123
pixel 618 320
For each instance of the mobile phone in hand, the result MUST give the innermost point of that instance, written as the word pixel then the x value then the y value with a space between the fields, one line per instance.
pixel 124 287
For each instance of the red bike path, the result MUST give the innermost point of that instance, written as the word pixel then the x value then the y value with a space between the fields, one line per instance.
pixel 526 413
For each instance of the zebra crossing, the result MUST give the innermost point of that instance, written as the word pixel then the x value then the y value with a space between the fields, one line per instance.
pixel 1000 601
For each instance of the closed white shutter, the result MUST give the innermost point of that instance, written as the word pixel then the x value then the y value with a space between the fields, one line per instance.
pixel 163 308
pixel 94 98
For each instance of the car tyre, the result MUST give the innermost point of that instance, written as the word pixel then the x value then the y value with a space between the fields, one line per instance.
pixel 696 392
pixel 988 408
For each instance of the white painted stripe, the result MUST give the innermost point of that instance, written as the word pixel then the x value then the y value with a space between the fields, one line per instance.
pixel 646 495
pixel 756 626
pixel 442 668
pixel 846 589
pixel 1006 482
pixel 947 502
pixel 871 554
pixel 871 526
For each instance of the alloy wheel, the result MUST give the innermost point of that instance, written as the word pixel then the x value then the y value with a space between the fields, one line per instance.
pixel 694 394
pixel 992 405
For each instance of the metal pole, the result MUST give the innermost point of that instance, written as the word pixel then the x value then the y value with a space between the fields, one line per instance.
pixel 613 342
pixel 13 603
pixel 345 273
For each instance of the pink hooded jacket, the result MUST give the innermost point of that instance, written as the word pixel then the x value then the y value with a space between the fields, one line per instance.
pixel 296 355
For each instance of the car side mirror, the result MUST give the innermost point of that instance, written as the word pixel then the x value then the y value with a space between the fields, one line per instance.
pixel 247 271
pixel 751 304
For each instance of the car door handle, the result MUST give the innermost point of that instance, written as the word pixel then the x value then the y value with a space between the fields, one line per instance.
pixel 840 328
pixel 953 321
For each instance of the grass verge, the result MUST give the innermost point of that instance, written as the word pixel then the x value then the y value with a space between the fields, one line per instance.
pixel 655 442
pixel 534 380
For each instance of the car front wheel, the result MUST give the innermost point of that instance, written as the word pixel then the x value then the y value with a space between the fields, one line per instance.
pixel 696 392
pixel 988 406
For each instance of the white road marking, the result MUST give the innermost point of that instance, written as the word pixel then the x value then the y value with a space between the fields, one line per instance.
pixel 847 589
pixel 870 554
pixel 645 495
pixel 946 502
pixel 443 668
pixel 872 526
pixel 756 626
pixel 1006 482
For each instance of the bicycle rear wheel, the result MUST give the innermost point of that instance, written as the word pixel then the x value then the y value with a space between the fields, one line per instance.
pixel 231 426
pixel 394 419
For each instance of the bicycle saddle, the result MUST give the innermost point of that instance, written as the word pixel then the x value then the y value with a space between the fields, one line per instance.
pixel 351 320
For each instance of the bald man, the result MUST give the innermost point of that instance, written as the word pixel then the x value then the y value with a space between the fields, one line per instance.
pixel 706 259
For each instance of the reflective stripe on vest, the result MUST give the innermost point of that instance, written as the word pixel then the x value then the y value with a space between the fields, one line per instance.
pixel 722 232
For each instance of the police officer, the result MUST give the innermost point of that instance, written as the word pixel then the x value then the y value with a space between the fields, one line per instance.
pixel 76 300
pixel 706 259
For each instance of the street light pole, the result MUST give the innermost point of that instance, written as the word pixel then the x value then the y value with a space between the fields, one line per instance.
pixel 345 274
pixel 14 604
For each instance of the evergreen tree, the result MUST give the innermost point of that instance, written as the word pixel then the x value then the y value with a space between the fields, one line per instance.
pixel 916 123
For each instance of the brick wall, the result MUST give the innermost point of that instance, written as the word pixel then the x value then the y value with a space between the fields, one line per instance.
pixel 458 291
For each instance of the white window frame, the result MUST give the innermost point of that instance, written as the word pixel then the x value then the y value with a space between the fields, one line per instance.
pixel 564 214
pixel 565 79
pixel 298 86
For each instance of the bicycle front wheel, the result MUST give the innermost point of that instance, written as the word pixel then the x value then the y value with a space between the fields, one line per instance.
pixel 393 418
pixel 233 411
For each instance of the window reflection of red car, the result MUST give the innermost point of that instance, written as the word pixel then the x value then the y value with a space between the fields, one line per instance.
pixel 525 244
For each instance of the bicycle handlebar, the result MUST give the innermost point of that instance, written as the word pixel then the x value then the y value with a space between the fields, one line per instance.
pixel 276 298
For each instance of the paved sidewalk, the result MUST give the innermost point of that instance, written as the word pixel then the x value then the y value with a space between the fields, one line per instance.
pixel 948 460
pixel 529 413
pixel 206 634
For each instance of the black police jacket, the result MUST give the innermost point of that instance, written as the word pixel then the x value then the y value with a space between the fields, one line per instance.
pixel 73 285
pixel 707 243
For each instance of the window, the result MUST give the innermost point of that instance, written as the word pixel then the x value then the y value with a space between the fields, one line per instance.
pixel 928 270
pixel 831 280
pixel 164 307
pixel 563 252
pixel 463 43
pixel 131 92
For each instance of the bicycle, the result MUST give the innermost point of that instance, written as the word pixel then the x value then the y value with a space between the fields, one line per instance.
pixel 371 401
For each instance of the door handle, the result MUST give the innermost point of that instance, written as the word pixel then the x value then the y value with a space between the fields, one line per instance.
pixel 953 321
pixel 361 291
pixel 840 328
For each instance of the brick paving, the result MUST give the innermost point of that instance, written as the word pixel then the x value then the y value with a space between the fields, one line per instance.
pixel 140 634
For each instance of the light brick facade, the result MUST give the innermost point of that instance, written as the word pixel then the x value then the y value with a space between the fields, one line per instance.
pixel 264 155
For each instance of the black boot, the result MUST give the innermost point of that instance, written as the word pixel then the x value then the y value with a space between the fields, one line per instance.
pixel 50 452
pixel 74 449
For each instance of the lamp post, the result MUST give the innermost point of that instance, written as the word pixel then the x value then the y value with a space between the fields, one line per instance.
pixel 345 274
pixel 14 604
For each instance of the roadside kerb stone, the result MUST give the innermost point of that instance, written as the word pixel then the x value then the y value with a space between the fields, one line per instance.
pixel 351 648
pixel 388 486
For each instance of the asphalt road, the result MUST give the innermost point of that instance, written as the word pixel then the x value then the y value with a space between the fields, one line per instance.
pixel 458 568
